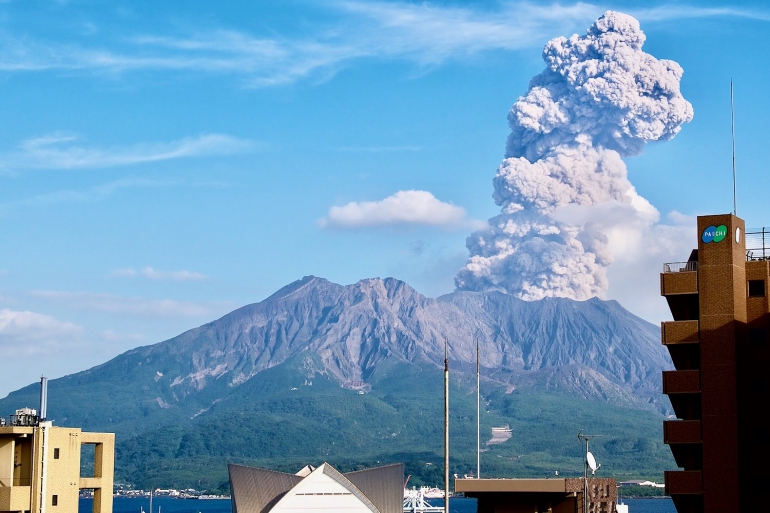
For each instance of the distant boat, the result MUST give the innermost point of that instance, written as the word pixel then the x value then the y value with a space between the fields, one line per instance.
pixel 414 500
pixel 427 492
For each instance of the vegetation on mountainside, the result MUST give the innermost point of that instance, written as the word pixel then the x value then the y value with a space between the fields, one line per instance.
pixel 401 420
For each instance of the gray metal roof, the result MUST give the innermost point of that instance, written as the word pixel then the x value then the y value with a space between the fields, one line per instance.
pixel 384 486
pixel 257 490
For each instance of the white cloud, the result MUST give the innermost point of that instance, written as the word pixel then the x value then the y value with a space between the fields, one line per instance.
pixel 402 208
pixel 640 249
pixel 25 333
pixel 61 151
pixel 153 274
pixel 134 306
pixel 423 33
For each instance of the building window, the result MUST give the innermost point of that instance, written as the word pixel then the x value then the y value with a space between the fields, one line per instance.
pixel 56 453
pixel 758 386
pixel 756 288
pixel 54 500
pixel 757 337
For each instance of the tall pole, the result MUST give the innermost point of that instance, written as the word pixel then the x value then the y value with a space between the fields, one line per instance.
pixel 478 415
pixel 446 425
pixel 732 130
pixel 585 439
pixel 585 480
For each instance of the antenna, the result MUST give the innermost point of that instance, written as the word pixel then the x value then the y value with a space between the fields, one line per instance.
pixel 589 462
pixel 43 398
pixel 732 130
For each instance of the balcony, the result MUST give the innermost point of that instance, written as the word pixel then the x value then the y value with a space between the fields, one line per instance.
pixel 679 278
pixel 679 332
pixel 681 382
pixel 683 482
pixel 681 432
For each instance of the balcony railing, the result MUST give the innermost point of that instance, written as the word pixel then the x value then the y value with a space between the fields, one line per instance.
pixel 675 267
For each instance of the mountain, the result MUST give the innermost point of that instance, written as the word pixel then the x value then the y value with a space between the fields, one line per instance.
pixel 360 366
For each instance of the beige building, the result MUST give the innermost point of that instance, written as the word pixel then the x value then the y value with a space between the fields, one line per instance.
pixel 40 466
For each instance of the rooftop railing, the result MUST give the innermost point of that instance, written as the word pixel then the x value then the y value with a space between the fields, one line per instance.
pixel 758 244
pixel 675 267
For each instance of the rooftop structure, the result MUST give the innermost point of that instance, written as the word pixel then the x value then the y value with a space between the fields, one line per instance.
pixel 557 495
pixel 376 490
pixel 40 465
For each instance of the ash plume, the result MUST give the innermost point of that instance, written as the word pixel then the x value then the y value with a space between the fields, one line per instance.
pixel 562 185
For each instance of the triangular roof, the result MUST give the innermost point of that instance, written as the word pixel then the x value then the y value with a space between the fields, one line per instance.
pixel 318 476
pixel 375 490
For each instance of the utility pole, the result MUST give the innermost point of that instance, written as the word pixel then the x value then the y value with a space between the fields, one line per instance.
pixel 478 415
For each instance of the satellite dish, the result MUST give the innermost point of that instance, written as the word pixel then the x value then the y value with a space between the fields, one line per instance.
pixel 591 462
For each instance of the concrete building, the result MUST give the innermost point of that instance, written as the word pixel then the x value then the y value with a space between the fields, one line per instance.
pixel 540 495
pixel 376 490
pixel 40 466
pixel 718 342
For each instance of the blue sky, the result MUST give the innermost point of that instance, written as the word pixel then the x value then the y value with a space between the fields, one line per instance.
pixel 164 163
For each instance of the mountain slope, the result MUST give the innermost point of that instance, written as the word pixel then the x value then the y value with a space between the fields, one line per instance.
pixel 321 342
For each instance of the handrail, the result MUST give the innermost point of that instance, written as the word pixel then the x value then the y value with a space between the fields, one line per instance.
pixel 757 244
pixel 675 267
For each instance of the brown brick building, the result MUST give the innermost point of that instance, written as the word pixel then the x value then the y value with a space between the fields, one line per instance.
pixel 555 495
pixel 718 342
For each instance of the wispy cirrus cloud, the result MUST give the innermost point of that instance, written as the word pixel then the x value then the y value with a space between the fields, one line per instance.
pixel 88 194
pixel 134 306
pixel 64 151
pixel 154 274
pixel 25 333
pixel 669 12
pixel 402 208
pixel 426 34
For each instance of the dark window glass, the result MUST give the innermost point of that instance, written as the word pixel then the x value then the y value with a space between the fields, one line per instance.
pixel 54 500
pixel 56 453
pixel 756 288
pixel 757 337
pixel 758 386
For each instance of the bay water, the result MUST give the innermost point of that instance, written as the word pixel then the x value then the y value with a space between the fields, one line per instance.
pixel 457 505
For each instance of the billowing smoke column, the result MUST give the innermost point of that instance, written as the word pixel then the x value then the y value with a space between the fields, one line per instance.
pixel 600 98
